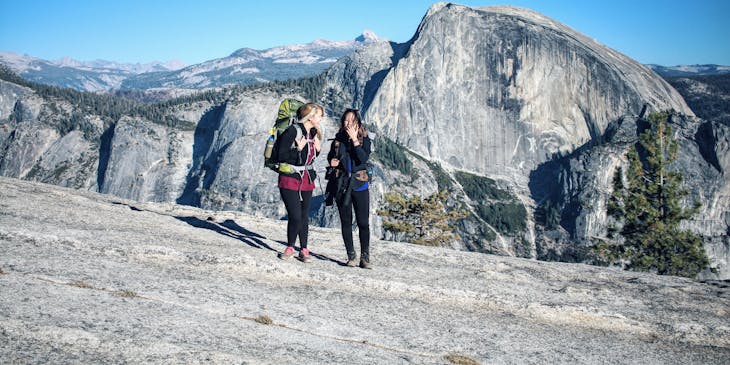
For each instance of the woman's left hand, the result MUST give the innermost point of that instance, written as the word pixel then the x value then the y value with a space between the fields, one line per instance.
pixel 317 143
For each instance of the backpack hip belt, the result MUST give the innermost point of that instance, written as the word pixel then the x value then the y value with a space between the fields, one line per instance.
pixel 289 169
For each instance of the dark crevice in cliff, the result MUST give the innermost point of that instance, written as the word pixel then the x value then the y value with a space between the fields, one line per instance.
pixel 400 50
pixel 593 129
pixel 557 201
pixel 105 152
pixel 6 147
pixel 205 133
pixel 554 185
pixel 706 141
pixel 210 166
pixel 546 189
pixel 372 85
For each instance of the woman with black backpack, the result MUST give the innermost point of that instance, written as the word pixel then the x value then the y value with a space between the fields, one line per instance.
pixel 348 173
pixel 296 175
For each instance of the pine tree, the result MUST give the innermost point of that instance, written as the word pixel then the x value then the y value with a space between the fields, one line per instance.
pixel 646 212
pixel 425 222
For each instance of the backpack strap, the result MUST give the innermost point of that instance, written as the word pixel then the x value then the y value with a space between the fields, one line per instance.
pixel 289 168
pixel 299 135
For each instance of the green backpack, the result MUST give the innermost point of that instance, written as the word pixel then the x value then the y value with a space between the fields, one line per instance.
pixel 286 117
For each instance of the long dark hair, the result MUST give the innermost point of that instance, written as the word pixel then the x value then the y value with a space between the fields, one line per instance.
pixel 361 132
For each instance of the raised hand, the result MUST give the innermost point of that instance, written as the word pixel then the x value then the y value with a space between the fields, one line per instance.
pixel 317 143
pixel 352 133
pixel 301 143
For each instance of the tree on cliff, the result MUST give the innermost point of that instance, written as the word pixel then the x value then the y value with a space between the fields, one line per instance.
pixel 646 212
pixel 425 222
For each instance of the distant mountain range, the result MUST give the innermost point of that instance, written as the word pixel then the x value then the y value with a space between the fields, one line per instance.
pixel 96 75
pixel 689 70
pixel 244 66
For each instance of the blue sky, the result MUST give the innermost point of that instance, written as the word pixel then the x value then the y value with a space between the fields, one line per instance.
pixel 661 32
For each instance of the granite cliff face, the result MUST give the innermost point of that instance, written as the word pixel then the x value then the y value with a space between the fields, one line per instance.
pixel 147 161
pixel 579 184
pixel 356 77
pixel 512 86
pixel 509 94
pixel 36 146
pixel 499 97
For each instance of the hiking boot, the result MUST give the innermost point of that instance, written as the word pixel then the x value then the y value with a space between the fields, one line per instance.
pixel 304 255
pixel 352 262
pixel 365 264
pixel 287 254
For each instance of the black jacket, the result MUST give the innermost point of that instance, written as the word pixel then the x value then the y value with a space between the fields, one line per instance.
pixel 348 153
pixel 287 150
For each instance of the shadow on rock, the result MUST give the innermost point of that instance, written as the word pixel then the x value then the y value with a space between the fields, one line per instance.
pixel 315 255
pixel 231 229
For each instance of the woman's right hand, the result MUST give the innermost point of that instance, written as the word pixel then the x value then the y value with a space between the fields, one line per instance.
pixel 352 132
pixel 334 162
pixel 301 143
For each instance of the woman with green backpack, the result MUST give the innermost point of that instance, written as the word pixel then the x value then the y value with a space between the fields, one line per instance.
pixel 350 179
pixel 299 145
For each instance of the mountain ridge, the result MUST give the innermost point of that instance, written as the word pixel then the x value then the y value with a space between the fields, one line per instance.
pixel 93 76
pixel 265 65
pixel 690 70
pixel 104 75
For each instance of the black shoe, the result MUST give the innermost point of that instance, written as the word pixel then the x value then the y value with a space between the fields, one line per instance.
pixel 351 262
pixel 365 264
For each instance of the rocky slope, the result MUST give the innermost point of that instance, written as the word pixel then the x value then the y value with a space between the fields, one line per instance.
pixel 707 95
pixel 94 278
pixel 581 182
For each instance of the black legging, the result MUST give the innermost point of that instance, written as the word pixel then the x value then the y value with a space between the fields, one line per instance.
pixel 298 215
pixel 361 202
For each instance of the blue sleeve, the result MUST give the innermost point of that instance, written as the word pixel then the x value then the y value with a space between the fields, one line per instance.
pixel 362 151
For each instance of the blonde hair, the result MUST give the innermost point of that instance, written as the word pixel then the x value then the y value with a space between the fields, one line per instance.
pixel 307 112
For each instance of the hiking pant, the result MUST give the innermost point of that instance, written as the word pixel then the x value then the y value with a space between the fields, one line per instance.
pixel 297 212
pixel 361 202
